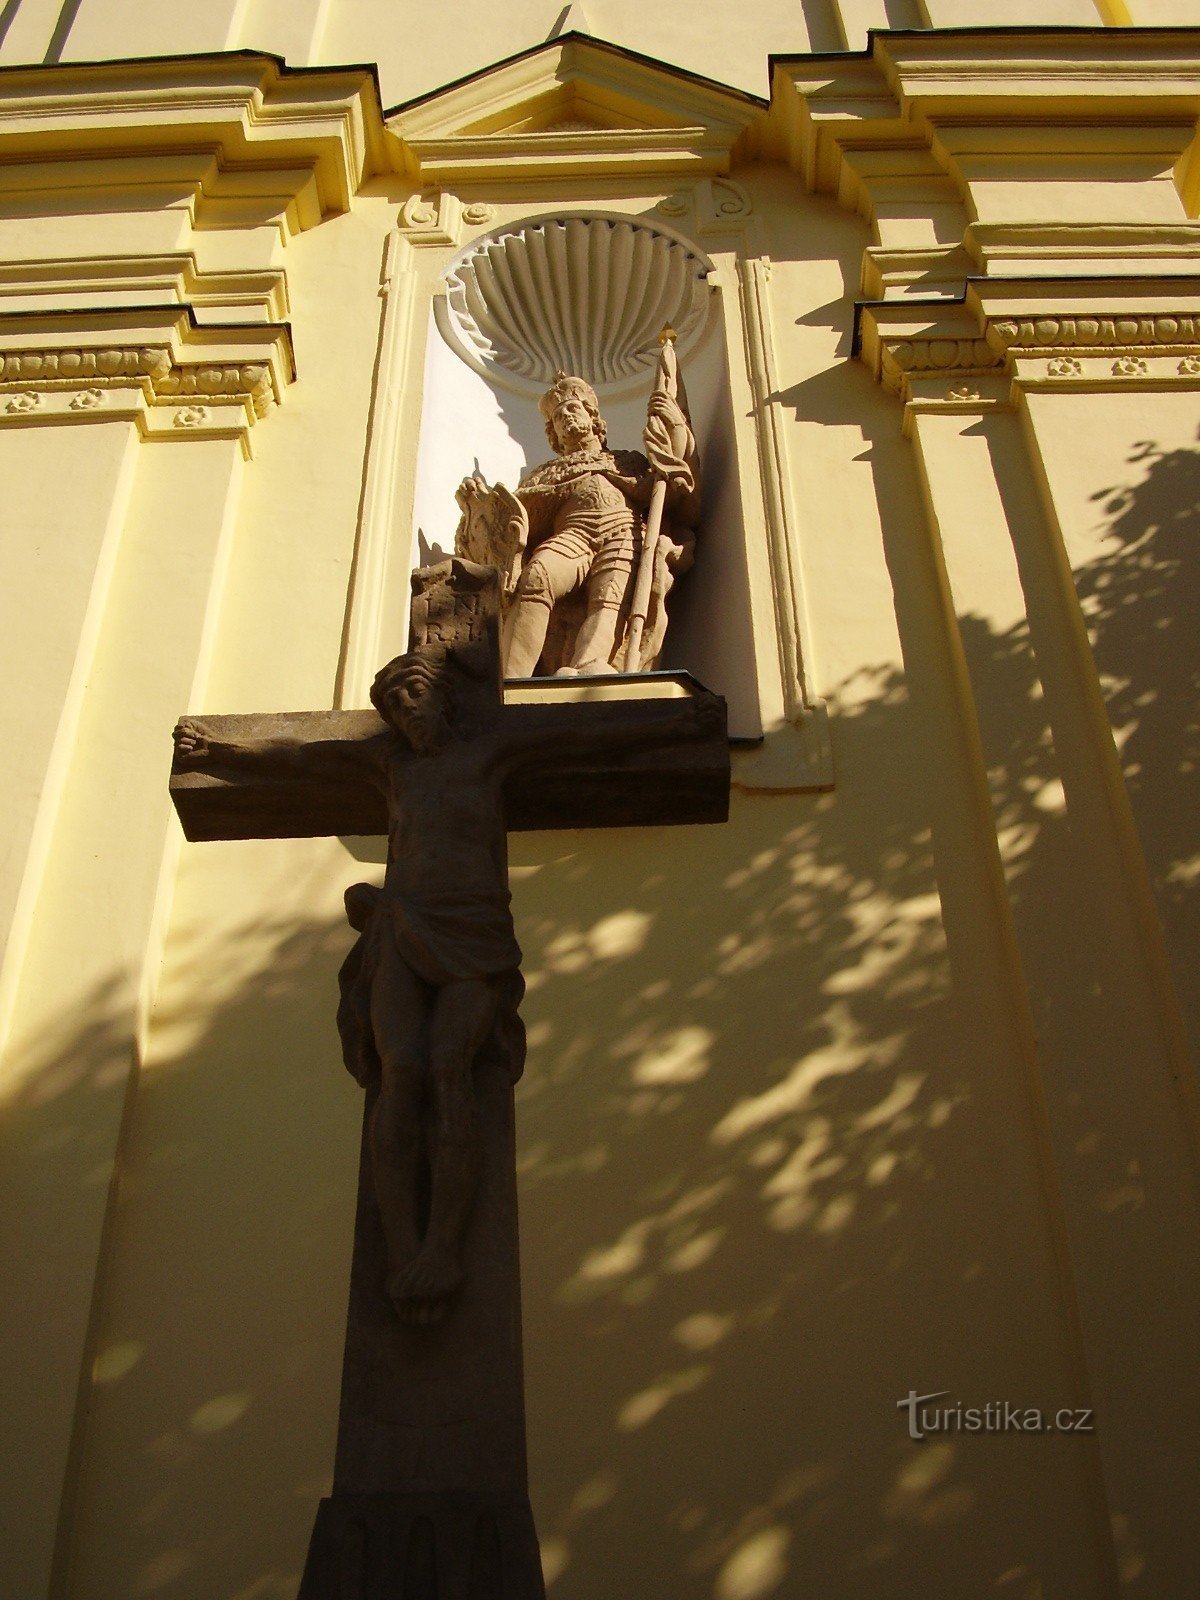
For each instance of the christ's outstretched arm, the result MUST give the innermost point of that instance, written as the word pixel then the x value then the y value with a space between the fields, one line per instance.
pixel 199 749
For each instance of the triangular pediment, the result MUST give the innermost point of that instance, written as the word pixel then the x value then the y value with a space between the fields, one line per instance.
pixel 577 99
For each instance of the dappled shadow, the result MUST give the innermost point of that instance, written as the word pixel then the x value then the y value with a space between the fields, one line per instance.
pixel 210 1421
pixel 752 1211
pixel 759 1091
pixel 760 1082
pixel 1141 598
pixel 776 1152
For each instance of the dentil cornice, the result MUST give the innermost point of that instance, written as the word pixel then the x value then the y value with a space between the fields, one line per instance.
pixel 154 364
pixel 1040 333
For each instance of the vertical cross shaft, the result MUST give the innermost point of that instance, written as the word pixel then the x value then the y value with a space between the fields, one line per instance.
pixel 429 1495
pixel 429 1498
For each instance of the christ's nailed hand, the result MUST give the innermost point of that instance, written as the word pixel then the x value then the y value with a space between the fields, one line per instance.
pixel 192 743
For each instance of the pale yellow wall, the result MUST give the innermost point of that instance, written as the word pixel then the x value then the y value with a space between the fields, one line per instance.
pixel 77 975
pixel 1159 13
pixel 1122 478
pixel 1013 13
pixel 745 1195
pixel 879 1088
pixel 64 593
pixel 457 39
pixel 1104 1026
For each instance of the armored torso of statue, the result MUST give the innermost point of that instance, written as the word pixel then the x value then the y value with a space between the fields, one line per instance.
pixel 580 531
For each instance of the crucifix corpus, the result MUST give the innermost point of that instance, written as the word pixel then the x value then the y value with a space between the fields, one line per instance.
pixel 430 1500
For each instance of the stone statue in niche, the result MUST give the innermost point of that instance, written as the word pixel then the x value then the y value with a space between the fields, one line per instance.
pixel 591 543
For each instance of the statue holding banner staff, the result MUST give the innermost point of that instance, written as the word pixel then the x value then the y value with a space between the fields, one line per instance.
pixel 591 543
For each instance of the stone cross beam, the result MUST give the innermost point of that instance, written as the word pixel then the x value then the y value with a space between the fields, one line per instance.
pixel 429 1497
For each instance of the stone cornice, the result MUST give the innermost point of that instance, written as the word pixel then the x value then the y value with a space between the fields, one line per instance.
pixel 1065 333
pixel 86 366
pixel 48 285
pixel 931 112
pixel 575 105
pixel 245 111
pixel 911 108
pixel 1028 68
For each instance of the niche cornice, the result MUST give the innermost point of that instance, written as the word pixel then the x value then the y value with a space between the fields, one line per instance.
pixel 575 106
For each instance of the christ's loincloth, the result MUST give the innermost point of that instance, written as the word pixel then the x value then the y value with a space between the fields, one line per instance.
pixel 454 940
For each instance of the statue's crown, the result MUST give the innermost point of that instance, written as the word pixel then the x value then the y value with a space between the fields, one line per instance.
pixel 567 388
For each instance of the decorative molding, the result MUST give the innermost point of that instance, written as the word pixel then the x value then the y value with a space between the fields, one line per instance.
pixel 890 270
pixel 68 366
pixel 373 534
pixel 1098 349
pixel 585 293
pixel 783 543
pixel 1099 332
pixel 1113 69
pixel 436 217
pixel 675 205
pixel 719 204
pixel 729 203
pixel 431 219
pixel 93 371
pixel 1018 248
pixel 937 118
pixel 574 105
pixel 905 358
pixel 287 129
pixel 1117 344
pixel 79 282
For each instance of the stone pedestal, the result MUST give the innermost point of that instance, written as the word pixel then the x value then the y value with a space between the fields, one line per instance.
pixel 423 1547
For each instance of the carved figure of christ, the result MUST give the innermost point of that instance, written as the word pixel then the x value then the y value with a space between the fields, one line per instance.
pixel 429 1474
pixel 436 956
pixel 436 972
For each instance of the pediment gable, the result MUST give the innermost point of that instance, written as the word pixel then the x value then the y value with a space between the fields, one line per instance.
pixel 578 100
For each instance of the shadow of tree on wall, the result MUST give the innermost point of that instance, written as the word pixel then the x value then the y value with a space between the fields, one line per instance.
pixel 772 1174
pixel 1142 599
pixel 228 1261
pixel 794 1105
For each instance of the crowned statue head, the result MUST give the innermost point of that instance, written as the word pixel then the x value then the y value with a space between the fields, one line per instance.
pixel 572 415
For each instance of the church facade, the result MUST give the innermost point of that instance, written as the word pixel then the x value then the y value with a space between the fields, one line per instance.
pixel 857 1141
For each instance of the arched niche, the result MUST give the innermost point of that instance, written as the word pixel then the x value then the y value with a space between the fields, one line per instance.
pixel 589 293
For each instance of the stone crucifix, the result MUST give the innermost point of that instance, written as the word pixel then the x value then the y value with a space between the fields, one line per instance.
pixel 429 1498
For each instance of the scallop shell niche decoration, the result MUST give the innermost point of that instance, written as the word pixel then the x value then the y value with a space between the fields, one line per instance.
pixel 586 295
